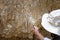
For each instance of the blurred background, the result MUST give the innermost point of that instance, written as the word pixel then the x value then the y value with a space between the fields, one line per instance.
pixel 17 18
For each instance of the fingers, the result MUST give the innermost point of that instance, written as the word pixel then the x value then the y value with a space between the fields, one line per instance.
pixel 35 27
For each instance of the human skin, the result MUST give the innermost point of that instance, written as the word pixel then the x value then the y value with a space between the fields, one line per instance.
pixel 37 33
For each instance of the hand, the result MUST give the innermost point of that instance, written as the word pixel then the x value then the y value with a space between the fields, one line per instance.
pixel 35 29
pixel 39 35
